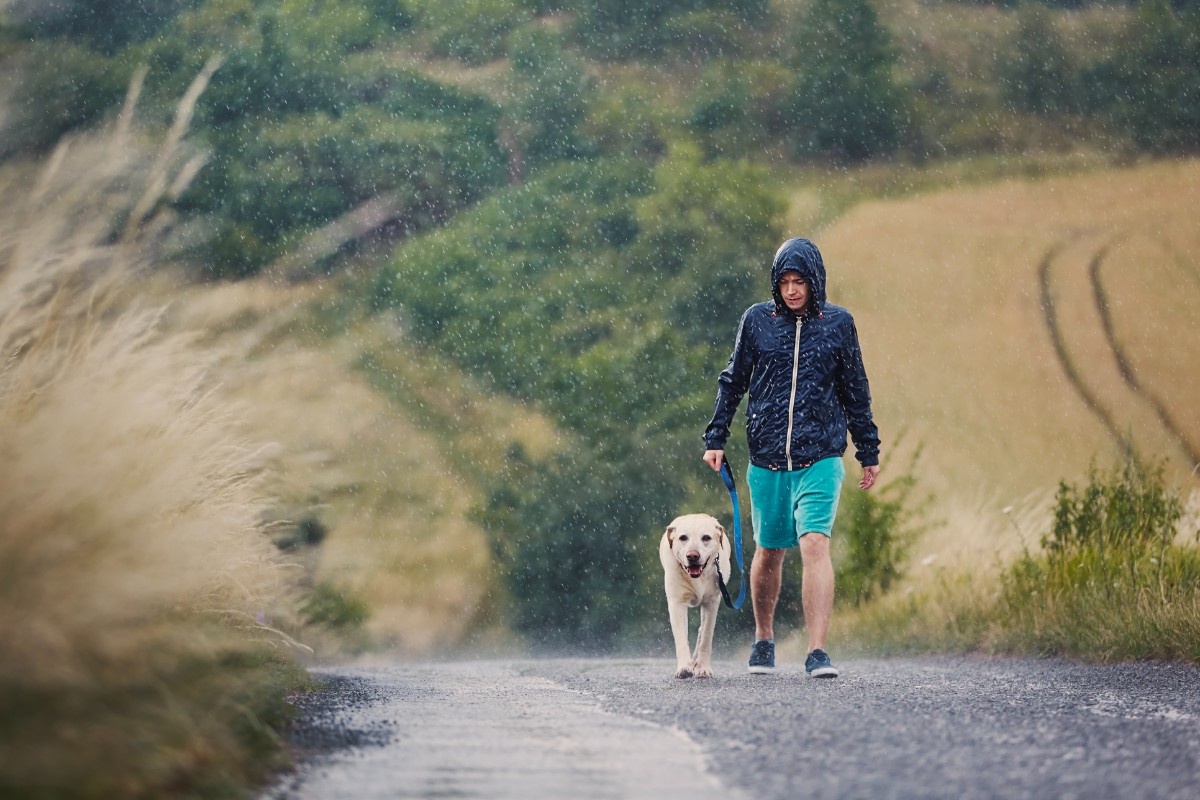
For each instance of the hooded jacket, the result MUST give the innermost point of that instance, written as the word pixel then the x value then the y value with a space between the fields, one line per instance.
pixel 804 374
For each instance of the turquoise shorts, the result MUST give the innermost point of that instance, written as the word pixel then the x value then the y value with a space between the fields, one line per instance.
pixel 786 505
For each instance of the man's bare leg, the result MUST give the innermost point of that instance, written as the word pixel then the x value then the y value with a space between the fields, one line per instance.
pixel 816 589
pixel 766 576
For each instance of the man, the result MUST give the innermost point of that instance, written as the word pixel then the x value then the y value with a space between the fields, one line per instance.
pixel 799 357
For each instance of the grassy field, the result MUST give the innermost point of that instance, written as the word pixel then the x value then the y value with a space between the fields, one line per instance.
pixel 996 321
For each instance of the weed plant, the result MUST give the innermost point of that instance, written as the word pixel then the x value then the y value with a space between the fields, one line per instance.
pixel 1117 578
pixel 875 532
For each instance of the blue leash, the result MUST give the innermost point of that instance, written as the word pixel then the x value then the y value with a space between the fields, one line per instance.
pixel 727 476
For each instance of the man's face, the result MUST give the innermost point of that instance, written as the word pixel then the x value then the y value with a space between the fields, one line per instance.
pixel 794 291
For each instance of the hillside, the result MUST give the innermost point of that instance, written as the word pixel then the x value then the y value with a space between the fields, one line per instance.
pixel 384 458
pixel 389 444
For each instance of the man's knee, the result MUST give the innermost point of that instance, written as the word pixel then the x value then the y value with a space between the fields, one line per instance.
pixel 768 558
pixel 814 546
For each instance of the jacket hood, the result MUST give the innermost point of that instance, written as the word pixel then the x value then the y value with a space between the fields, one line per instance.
pixel 803 257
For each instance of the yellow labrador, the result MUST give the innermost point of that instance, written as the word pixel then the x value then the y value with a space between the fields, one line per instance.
pixel 693 549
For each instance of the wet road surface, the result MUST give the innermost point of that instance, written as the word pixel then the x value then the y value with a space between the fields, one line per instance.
pixel 944 727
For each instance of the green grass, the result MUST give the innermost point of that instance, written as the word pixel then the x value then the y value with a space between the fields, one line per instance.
pixel 1116 578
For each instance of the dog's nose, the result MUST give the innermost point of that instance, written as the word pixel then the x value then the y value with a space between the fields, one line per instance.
pixel 693 556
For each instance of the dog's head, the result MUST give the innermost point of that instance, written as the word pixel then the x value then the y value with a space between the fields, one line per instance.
pixel 694 540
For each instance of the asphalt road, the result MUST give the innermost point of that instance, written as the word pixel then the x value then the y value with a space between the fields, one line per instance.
pixel 610 728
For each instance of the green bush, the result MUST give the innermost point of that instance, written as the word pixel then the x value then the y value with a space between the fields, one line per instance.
pixel 1039 75
pixel 1117 516
pixel 548 97
pixel 1113 582
pixel 624 28
pixel 628 120
pixel 847 103
pixel 618 289
pixel 63 87
pixel 105 27
pixel 873 534
pixel 739 105
pixel 334 608
pixel 568 594
pixel 472 31
pixel 279 179
pixel 304 122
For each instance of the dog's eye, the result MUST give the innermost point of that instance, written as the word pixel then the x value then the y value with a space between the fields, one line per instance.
pixel 706 538
pixel 683 537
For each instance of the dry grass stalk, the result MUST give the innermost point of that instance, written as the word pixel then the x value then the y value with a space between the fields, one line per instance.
pixel 130 496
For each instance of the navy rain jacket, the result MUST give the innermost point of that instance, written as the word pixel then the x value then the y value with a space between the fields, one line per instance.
pixel 804 373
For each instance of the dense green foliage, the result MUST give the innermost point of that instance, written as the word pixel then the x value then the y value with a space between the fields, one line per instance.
pixel 1116 579
pixel 1153 86
pixel 305 120
pixel 622 28
pixel 312 115
pixel 605 292
pixel 846 103
pixel 873 534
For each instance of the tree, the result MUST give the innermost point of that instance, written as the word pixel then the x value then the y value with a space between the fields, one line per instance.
pixel 1039 76
pixel 1158 79
pixel 549 92
pixel 622 28
pixel 846 103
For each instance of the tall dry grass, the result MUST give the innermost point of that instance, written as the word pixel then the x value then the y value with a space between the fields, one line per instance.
pixel 134 577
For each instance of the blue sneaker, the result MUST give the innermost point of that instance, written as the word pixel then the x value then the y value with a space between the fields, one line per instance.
pixel 818 665
pixel 762 657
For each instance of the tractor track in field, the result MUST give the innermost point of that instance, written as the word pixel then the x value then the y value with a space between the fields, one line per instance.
pixel 1058 340
pixel 1125 364
pixel 1121 358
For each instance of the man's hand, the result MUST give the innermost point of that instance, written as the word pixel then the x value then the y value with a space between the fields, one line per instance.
pixel 714 458
pixel 869 476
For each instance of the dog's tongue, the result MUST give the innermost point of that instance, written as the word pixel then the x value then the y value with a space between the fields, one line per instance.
pixel 695 570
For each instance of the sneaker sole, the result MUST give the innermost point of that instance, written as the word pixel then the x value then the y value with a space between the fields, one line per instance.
pixel 824 672
pixel 762 670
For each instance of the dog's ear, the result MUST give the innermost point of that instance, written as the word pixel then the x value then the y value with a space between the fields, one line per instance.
pixel 671 536
pixel 720 533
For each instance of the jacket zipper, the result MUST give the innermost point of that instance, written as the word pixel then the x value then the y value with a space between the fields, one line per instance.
pixel 787 449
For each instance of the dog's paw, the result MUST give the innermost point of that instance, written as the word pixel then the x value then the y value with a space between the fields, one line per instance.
pixel 702 672
pixel 683 672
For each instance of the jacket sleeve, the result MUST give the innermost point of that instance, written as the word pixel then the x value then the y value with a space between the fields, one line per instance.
pixel 731 386
pixel 855 396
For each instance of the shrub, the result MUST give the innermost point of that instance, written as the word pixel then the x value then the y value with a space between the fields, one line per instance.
pixel 63 86
pixel 1039 76
pixel 623 28
pixel 548 97
pixel 1150 85
pixel 472 31
pixel 564 594
pixel 873 534
pixel 846 103
pixel 1114 581
pixel 1118 515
